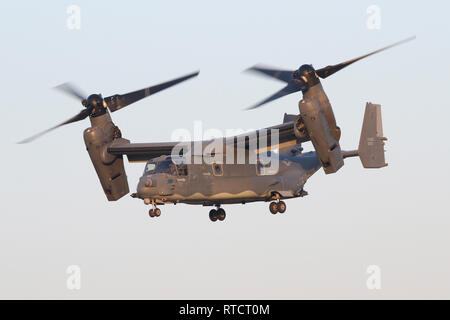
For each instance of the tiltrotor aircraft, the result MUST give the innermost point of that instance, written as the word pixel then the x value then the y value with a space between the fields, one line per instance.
pixel 238 169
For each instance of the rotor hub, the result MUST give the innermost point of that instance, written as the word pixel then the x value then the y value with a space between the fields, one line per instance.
pixel 95 103
pixel 94 100
pixel 306 74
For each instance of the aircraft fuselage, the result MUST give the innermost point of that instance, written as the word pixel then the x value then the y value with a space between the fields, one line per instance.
pixel 215 184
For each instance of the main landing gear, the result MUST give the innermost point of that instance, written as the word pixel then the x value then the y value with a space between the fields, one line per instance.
pixel 156 212
pixel 218 214
pixel 276 207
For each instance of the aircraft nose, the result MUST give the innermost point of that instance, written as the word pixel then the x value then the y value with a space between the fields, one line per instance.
pixel 145 186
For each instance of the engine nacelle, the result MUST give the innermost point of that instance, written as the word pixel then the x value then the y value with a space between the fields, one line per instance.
pixel 110 169
pixel 327 147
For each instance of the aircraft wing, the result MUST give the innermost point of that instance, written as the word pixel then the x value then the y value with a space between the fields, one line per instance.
pixel 140 152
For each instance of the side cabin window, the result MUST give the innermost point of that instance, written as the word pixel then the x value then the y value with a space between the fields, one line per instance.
pixel 217 169
pixel 266 169
pixel 182 169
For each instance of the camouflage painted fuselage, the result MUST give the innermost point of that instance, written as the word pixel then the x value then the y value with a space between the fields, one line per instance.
pixel 213 184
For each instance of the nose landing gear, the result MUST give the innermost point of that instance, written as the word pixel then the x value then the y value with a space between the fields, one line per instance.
pixel 276 207
pixel 218 214
pixel 154 212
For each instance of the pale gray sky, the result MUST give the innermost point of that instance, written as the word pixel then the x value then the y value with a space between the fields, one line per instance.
pixel 54 213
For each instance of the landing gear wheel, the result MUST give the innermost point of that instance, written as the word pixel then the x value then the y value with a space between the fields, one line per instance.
pixel 213 215
pixel 281 207
pixel 273 207
pixel 157 212
pixel 221 214
pixel 151 213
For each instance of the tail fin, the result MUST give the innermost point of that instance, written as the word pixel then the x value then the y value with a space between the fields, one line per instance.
pixel 371 143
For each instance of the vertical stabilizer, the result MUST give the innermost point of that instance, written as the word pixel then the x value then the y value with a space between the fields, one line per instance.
pixel 371 143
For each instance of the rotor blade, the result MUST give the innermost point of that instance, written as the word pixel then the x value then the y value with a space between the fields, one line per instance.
pixel 329 70
pixel 80 116
pixel 290 88
pixel 71 90
pixel 282 75
pixel 117 101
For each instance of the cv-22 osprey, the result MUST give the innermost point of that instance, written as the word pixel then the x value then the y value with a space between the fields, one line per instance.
pixel 261 168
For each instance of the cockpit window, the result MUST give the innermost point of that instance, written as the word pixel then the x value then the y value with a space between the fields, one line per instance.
pixel 150 167
pixel 166 166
